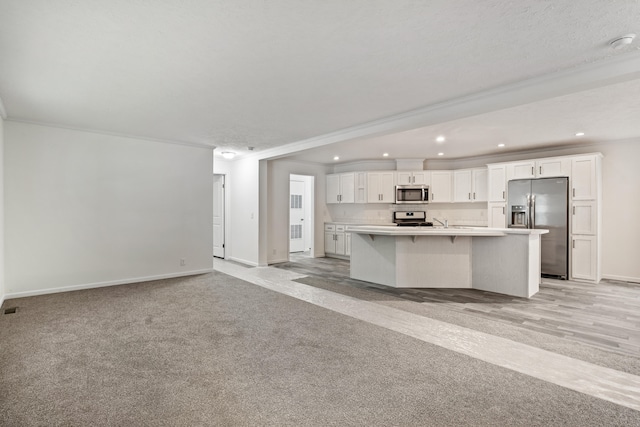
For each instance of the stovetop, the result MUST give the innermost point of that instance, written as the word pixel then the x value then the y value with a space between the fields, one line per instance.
pixel 411 219
pixel 414 224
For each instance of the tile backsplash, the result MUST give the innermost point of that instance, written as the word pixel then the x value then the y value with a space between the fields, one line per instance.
pixel 471 214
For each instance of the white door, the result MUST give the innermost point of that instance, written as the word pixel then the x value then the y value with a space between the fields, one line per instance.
pixel 296 216
pixel 218 216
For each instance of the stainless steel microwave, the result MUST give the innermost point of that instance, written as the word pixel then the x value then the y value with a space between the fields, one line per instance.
pixel 412 194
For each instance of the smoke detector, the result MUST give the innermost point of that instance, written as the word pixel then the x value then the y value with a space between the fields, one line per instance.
pixel 621 42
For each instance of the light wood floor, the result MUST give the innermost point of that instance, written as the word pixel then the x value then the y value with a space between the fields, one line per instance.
pixel 606 315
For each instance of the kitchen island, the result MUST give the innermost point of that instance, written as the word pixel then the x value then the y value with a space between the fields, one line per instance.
pixel 505 261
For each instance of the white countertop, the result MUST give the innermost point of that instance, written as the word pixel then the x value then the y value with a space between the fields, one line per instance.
pixel 439 231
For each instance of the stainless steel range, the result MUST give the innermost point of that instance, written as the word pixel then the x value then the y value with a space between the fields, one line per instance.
pixel 411 219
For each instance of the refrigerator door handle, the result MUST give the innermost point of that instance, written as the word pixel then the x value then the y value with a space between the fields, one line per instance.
pixel 532 211
pixel 528 215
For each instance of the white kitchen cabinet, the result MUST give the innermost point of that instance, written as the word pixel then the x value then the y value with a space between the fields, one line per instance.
pixel 412 178
pixel 559 166
pixel 381 187
pixel 584 258
pixel 329 242
pixel 497 215
pixel 584 177
pixel 341 188
pixel 480 184
pixel 521 170
pixel 539 168
pixel 361 187
pixel 585 196
pixel 335 240
pixel 441 187
pixel 470 185
pixel 584 217
pixel 497 183
pixel 347 244
pixel 462 185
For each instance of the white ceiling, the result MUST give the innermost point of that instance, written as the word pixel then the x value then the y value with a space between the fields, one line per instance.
pixel 255 73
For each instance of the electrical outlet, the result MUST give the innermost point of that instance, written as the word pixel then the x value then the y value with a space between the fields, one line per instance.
pixel 183 262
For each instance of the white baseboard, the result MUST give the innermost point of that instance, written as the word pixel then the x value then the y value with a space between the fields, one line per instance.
pixel 104 284
pixel 621 278
pixel 243 261
pixel 1 300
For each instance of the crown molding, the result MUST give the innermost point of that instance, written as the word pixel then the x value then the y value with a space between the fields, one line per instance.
pixel 116 134
pixel 589 76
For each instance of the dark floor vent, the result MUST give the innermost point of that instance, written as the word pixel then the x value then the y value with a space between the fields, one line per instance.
pixel 10 310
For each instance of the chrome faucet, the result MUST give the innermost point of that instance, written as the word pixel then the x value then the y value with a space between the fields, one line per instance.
pixel 445 224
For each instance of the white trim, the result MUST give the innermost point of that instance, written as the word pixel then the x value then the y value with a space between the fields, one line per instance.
pixel 120 135
pixel 107 283
pixel 2 298
pixel 242 261
pixel 621 278
pixel 3 110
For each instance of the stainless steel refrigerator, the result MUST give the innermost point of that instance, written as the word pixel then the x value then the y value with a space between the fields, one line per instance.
pixel 543 203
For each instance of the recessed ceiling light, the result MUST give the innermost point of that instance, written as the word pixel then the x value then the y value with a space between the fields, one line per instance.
pixel 440 139
pixel 385 154
pixel 440 154
pixel 228 155
pixel 580 134
pixel 500 145
pixel 621 42
pixel 336 158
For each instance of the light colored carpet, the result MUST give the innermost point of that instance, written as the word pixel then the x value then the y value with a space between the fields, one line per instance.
pixel 214 350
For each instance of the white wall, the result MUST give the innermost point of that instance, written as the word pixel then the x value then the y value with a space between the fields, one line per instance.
pixel 86 209
pixel 279 172
pixel 241 223
pixel 621 211
pixel 2 278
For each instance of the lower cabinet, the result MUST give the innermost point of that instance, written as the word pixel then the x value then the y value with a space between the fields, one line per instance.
pixel 336 241
pixel 584 257
pixel 497 215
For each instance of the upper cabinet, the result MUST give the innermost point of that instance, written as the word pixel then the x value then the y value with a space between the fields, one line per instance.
pixel 413 178
pixel 341 188
pixel 559 166
pixel 584 177
pixel 521 170
pixel 441 189
pixel 470 185
pixel 381 187
pixel 543 168
pixel 497 183
pixel 361 187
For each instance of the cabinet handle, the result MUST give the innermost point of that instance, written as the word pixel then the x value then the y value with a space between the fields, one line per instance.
pixel 469 196
pixel 573 243
pixel 540 170
pixel 503 195
pixel 474 196
pixel 503 210
pixel 573 192
pixel 532 171
pixel 574 210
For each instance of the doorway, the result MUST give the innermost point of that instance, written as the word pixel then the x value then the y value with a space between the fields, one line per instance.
pixel 301 214
pixel 218 216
